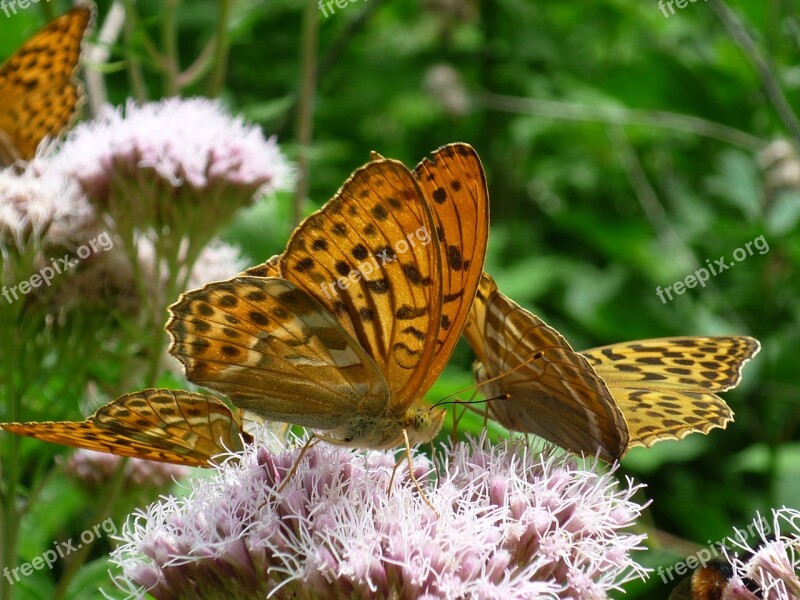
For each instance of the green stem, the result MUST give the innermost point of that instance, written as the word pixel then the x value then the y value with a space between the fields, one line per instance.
pixel 169 43
pixel 305 109
pixel 221 49
pixel 135 73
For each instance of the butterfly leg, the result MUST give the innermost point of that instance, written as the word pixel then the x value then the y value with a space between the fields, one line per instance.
pixel 411 474
pixel 312 441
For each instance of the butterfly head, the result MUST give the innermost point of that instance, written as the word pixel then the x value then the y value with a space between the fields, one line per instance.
pixel 424 423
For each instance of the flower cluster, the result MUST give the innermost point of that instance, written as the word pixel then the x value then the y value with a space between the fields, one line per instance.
pixel 40 209
pixel 190 143
pixel 512 523
pixel 770 568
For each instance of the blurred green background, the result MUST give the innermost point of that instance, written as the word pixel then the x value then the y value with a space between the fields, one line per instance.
pixel 623 148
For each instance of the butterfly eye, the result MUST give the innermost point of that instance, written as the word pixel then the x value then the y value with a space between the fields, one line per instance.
pixel 422 420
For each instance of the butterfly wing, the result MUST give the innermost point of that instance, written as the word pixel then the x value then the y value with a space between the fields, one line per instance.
pixel 371 258
pixel 476 320
pixel 171 426
pixel 39 95
pixel 275 351
pixel 270 268
pixel 454 185
pixel 666 387
pixel 553 391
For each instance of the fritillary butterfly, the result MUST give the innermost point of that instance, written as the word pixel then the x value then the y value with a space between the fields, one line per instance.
pixel 603 400
pixel 39 95
pixel 352 324
pixel 170 426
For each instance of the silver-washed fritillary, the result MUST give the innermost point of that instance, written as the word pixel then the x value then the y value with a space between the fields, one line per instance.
pixel 352 324
pixel 604 400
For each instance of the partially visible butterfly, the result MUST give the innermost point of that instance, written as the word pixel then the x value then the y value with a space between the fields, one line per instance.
pixel 39 95
pixel 710 580
pixel 705 583
pixel 170 426
pixel 604 400
pixel 356 319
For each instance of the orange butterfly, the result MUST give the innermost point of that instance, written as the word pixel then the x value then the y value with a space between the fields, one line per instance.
pixel 356 319
pixel 603 400
pixel 172 426
pixel 39 95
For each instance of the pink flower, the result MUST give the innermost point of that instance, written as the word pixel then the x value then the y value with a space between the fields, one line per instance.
pixel 183 142
pixel 512 523
pixel 768 569
pixel 177 168
pixel 40 207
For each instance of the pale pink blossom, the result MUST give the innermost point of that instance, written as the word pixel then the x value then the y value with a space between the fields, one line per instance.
pixel 512 523
pixel 767 567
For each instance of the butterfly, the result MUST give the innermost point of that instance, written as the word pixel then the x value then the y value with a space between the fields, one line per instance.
pixel 346 331
pixel 172 426
pixel 39 95
pixel 603 400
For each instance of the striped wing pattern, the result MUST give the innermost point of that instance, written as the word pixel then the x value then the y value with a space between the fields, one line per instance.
pixel 553 391
pixel 666 387
pixel 170 426
pixel 606 399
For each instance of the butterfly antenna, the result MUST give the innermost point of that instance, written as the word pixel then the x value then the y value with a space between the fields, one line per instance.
pixel 444 400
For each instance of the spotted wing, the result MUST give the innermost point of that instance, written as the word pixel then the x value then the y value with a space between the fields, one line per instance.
pixel 553 391
pixel 666 387
pixel 369 257
pixel 171 426
pixel 454 185
pixel 275 351
pixel 39 94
